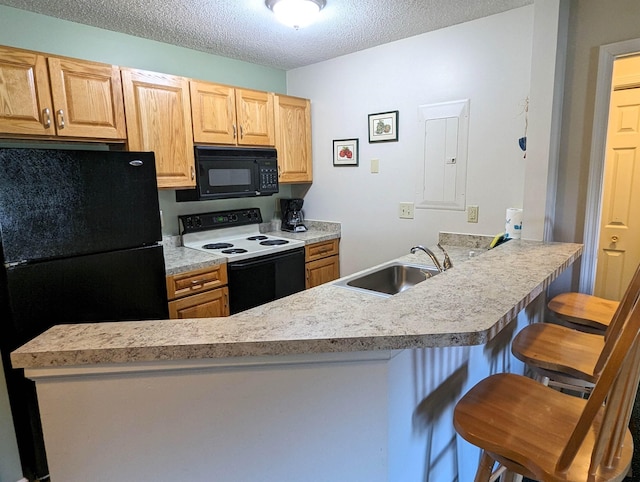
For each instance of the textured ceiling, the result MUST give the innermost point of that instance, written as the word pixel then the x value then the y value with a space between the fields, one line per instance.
pixel 247 30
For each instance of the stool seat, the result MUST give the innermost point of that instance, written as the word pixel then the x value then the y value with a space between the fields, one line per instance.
pixel 583 309
pixel 526 426
pixel 569 357
pixel 554 351
pixel 543 434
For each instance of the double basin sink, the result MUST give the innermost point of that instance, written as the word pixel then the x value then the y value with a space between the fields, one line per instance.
pixel 388 279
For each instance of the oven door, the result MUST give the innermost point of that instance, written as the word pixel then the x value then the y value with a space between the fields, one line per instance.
pixel 253 282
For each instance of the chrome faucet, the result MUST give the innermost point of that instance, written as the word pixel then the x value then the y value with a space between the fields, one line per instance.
pixel 447 260
pixel 430 254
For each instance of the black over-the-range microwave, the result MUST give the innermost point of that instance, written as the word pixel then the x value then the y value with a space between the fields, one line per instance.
pixel 231 172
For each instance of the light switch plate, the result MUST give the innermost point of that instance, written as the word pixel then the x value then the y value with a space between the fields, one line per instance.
pixel 375 166
pixel 472 214
pixel 406 210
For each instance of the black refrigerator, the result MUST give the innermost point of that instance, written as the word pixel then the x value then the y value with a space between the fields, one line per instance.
pixel 80 240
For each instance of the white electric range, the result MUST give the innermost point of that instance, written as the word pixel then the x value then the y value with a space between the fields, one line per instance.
pixel 234 234
pixel 260 267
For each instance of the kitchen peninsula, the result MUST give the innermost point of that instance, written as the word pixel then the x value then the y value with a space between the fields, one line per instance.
pixel 280 391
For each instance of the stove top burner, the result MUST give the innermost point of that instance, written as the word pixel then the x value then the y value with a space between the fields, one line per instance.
pixel 234 251
pixel 274 242
pixel 233 234
pixel 217 245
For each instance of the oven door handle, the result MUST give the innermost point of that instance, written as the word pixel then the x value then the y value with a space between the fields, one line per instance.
pixel 249 263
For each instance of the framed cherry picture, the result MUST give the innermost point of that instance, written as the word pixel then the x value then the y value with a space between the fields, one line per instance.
pixel 345 152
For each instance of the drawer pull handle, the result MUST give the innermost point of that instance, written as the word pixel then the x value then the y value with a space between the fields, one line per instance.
pixel 197 282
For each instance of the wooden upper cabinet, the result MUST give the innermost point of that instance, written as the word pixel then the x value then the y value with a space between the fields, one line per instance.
pixel 226 115
pixel 25 99
pixel 87 99
pixel 70 98
pixel 213 108
pixel 158 116
pixel 293 139
pixel 254 111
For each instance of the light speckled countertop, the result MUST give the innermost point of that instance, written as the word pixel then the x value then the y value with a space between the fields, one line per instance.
pixel 466 305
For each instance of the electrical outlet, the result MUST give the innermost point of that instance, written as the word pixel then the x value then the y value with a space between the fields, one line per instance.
pixel 406 210
pixel 472 214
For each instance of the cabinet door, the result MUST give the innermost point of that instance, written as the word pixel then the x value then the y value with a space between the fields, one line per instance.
pixel 209 304
pixel 213 110
pixel 293 139
pixel 254 111
pixel 158 114
pixel 87 99
pixel 25 100
pixel 322 271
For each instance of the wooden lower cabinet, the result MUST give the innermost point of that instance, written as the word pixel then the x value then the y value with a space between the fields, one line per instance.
pixel 209 304
pixel 199 293
pixel 322 262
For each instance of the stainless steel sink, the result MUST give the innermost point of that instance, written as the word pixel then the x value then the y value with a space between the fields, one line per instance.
pixel 389 279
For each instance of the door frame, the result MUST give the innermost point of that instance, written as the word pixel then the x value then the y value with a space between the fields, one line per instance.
pixel 607 55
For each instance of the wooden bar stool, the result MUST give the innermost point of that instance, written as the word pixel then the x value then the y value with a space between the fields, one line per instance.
pixel 543 434
pixel 568 358
pixel 583 312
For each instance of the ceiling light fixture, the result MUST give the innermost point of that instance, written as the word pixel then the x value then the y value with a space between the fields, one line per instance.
pixel 296 13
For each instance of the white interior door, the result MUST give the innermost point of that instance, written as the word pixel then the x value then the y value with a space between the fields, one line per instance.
pixel 619 241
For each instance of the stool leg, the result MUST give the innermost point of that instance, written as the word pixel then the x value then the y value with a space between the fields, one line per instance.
pixel 511 477
pixel 485 468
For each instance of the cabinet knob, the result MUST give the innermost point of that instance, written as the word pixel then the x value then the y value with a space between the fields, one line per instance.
pixel 47 117
pixel 61 119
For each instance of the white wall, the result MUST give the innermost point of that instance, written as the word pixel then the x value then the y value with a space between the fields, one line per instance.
pixel 592 24
pixel 487 61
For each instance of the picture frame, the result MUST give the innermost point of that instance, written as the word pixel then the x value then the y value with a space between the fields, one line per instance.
pixel 345 152
pixel 383 127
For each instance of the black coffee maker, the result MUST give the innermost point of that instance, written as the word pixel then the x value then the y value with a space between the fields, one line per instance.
pixel 292 216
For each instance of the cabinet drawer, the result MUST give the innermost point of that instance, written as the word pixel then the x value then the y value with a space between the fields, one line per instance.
pixel 196 281
pixel 210 304
pixel 321 250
